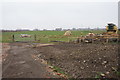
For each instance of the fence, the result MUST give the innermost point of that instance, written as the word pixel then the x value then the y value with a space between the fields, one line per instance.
pixel 42 38
pixel 17 38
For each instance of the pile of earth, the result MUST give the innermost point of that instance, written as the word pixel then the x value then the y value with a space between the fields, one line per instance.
pixel 82 60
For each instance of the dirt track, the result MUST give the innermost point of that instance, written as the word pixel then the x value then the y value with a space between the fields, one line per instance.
pixel 20 64
pixel 76 60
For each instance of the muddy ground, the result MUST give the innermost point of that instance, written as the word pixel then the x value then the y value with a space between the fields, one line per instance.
pixel 75 60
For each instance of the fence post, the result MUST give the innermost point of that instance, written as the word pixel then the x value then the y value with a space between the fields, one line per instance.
pixel 13 37
pixel 78 40
pixel 107 40
pixel 35 37
pixel 92 40
pixel 48 39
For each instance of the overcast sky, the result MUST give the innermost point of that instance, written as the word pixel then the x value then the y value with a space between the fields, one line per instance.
pixel 51 15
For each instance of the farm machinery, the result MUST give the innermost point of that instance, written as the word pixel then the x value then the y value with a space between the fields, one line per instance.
pixel 111 35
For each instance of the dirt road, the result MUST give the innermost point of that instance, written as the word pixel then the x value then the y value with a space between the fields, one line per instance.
pixel 20 64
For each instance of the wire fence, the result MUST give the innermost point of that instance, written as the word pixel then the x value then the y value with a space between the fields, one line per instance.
pixel 42 38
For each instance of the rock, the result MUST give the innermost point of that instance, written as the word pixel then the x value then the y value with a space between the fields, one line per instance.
pixel 38 55
pixel 51 67
pixel 105 66
pixel 105 46
pixel 22 62
pixel 104 62
pixel 84 61
pixel 100 58
pixel 20 73
pixel 54 70
pixel 82 67
pixel 58 73
pixel 113 68
pixel 107 72
pixel 102 74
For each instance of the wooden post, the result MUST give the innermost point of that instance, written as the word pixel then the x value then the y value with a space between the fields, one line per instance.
pixel 69 40
pixel 107 40
pixel 92 40
pixel 48 39
pixel 78 40
pixel 117 40
pixel 13 38
pixel 35 37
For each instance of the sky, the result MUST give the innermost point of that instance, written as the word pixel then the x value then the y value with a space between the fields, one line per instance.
pixel 32 14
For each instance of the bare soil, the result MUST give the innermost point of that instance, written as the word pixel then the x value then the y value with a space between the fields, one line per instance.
pixel 76 60
pixel 83 60
pixel 4 50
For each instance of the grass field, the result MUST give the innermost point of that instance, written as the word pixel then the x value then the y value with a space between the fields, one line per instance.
pixel 45 36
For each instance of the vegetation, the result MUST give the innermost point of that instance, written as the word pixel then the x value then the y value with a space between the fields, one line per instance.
pixel 44 36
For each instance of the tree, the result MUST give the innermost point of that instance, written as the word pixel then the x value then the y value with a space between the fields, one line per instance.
pixel 44 29
pixel 35 29
pixel 74 29
pixel 58 29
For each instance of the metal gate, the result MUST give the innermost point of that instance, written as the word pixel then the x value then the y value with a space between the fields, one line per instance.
pixel 24 37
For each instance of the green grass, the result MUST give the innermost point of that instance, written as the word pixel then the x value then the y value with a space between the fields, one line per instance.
pixel 44 36
pixel 57 69
pixel 18 38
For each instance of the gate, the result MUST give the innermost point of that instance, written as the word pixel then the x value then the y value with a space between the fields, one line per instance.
pixel 24 37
